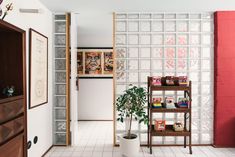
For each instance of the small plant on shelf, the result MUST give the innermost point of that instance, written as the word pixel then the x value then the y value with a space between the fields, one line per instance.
pixel 131 105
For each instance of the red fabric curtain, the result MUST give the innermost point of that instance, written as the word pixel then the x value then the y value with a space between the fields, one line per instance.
pixel 224 96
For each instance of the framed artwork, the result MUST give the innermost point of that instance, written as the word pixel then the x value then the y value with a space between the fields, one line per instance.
pixel 38 69
pixel 95 62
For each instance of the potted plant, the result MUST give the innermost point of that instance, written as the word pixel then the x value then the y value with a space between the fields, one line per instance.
pixel 130 105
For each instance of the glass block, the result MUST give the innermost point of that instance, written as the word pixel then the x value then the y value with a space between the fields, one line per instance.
pixel 133 39
pixel 133 65
pixel 194 76
pixel 120 39
pixel 169 64
pixel 157 16
pixel 60 114
pixel 194 52
pixel 195 125
pixel 121 65
pixel 145 52
pixel 60 39
pixel 60 52
pixel 182 64
pixel 145 26
pixel 157 26
pixel 60 126
pixel 182 16
pixel 60 77
pixel 60 17
pixel 121 52
pixel 170 16
pixel 120 26
pixel 170 39
pixel 206 64
pixel 195 16
pixel 60 89
pixel 195 89
pixel 206 89
pixel 120 89
pixel 206 52
pixel 195 39
pixel 60 27
pixel 170 53
pixel 182 73
pixel 195 138
pixel 133 26
pixel 156 65
pixel 170 26
pixel 206 76
pixel 206 138
pixel 195 102
pixel 120 76
pixel 169 73
pixel 144 64
pixel 206 125
pixel 121 16
pixel 157 39
pixel 182 52
pixel 182 39
pixel 133 16
pixel 194 65
pixel 206 16
pixel 133 77
pixel 60 101
pixel 133 52
pixel 182 26
pixel 60 139
pixel 144 76
pixel 195 26
pixel 206 100
pixel 145 39
pixel 206 40
pixel 157 52
pixel 206 26
pixel 60 64
pixel 145 16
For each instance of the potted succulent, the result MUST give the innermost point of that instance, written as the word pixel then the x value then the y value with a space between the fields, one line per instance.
pixel 130 105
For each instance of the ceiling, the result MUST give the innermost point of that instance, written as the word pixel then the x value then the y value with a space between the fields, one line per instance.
pixel 82 6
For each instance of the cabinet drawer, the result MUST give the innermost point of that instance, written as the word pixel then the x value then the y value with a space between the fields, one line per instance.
pixel 11 128
pixel 13 148
pixel 11 109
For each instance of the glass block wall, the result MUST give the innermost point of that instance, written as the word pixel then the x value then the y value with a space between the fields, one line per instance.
pixel 59 107
pixel 163 44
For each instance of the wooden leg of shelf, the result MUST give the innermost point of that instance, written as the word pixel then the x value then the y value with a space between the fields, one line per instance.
pixel 150 138
pixel 185 141
pixel 190 145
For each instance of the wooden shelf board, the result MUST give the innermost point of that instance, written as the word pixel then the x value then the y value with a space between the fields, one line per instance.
pixel 169 132
pixel 170 88
pixel 185 110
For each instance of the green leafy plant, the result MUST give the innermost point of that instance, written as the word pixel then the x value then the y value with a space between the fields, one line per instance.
pixel 131 105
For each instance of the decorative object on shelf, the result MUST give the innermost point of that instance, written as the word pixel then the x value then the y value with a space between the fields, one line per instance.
pixel 8 91
pixel 131 105
pixel 95 62
pixel 38 69
pixel 170 102
pixel 170 80
pixel 183 102
pixel 157 103
pixel 156 81
pixel 183 80
pixel 178 126
pixel 9 7
pixel 160 125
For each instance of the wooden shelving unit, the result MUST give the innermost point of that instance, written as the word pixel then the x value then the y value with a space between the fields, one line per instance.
pixel 169 131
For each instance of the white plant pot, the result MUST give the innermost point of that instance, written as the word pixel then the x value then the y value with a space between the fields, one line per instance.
pixel 129 147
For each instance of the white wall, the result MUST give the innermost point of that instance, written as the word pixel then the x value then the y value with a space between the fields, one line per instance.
pixel 95 30
pixel 40 118
pixel 95 99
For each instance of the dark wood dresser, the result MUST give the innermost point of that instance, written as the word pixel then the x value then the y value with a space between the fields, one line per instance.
pixel 13 111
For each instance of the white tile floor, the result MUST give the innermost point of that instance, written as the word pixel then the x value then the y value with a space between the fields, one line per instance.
pixel 95 140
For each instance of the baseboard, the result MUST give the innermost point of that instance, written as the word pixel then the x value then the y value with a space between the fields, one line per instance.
pixel 86 120
pixel 222 146
pixel 169 145
pixel 47 150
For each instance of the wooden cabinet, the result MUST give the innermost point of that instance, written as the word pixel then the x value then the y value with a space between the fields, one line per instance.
pixel 13 128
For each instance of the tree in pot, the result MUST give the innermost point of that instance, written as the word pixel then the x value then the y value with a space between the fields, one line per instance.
pixel 130 105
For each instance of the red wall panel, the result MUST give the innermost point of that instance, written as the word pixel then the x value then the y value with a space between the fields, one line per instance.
pixel 224 114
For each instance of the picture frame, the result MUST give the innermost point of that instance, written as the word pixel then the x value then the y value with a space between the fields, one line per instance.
pixel 160 125
pixel 38 69
pixel 94 62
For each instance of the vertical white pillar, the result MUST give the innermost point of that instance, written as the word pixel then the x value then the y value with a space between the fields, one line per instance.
pixel 73 88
